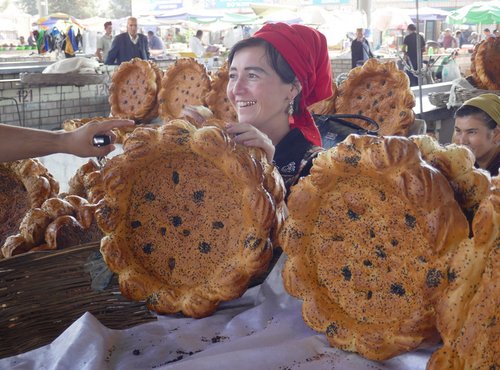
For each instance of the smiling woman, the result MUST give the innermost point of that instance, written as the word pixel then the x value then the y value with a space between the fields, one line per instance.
pixel 273 77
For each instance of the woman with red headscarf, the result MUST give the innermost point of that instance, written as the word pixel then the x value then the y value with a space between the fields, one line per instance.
pixel 273 77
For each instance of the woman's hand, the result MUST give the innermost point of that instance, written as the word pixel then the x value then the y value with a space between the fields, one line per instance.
pixel 248 135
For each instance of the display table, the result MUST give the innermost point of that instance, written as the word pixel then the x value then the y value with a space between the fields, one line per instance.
pixel 261 330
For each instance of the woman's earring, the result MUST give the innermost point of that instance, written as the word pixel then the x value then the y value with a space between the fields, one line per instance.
pixel 290 108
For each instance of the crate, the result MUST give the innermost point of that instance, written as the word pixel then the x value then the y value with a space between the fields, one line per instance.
pixel 42 293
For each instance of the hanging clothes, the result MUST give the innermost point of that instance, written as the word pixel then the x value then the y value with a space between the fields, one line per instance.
pixel 71 44
pixel 40 45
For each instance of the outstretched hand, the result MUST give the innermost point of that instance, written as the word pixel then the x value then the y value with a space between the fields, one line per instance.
pixel 248 135
pixel 80 141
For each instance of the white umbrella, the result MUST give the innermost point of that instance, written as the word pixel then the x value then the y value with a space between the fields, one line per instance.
pixel 426 13
pixel 390 19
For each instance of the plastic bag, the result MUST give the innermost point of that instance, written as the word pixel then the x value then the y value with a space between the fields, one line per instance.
pixel 451 71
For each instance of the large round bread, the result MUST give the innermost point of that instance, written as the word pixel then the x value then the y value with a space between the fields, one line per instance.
pixel 185 83
pixel 485 64
pixel 134 89
pixel 468 308
pixel 187 217
pixel 379 91
pixel 456 163
pixel 364 231
pixel 217 99
pixel 24 185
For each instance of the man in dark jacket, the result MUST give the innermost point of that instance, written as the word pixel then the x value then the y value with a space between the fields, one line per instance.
pixel 128 45
pixel 360 49
pixel 411 52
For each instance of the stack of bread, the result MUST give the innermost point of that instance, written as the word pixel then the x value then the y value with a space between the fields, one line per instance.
pixel 62 220
pixel 25 185
pixel 379 250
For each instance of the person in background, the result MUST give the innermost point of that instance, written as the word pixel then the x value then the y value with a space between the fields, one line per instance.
pixel 155 44
pixel 487 34
pixel 128 45
pixel 411 52
pixel 496 33
pixel 31 40
pixel 473 38
pixel 459 38
pixel 477 126
pixel 360 49
pixel 178 36
pixel 448 40
pixel 195 44
pixel 104 42
pixel 22 142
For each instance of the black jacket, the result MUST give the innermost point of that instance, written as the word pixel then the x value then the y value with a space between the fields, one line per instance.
pixel 123 49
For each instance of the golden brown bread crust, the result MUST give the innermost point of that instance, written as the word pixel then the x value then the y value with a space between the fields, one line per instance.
pixel 364 230
pixel 326 106
pixel 485 65
pixel 24 185
pixel 380 91
pixel 57 223
pixel 134 89
pixel 468 306
pixel 217 99
pixel 185 83
pixel 120 133
pixel 74 123
pixel 161 208
pixel 456 163
pixel 77 184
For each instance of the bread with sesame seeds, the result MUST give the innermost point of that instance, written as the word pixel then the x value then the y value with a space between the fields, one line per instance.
pixel 468 303
pixel 380 91
pixel 217 99
pixel 456 162
pixel 134 90
pixel 188 217
pixel 364 232
pixel 185 83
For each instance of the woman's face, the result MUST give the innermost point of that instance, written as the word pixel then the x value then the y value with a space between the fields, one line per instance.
pixel 257 92
pixel 472 132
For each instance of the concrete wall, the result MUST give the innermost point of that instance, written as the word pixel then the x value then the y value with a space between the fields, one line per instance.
pixel 47 107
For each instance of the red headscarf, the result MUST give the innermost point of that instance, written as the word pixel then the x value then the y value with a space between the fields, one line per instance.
pixel 306 51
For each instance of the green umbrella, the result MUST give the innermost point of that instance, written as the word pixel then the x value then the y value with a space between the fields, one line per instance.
pixel 487 12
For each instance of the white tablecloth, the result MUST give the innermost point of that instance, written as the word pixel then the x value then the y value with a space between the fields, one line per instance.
pixel 261 330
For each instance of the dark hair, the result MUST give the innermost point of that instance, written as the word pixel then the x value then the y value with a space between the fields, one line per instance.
pixel 470 110
pixel 199 33
pixel 411 27
pixel 275 59
pixel 486 30
pixel 108 23
pixel 151 33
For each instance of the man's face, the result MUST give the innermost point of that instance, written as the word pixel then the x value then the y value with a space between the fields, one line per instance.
pixel 359 34
pixel 132 27
pixel 472 132
pixel 108 29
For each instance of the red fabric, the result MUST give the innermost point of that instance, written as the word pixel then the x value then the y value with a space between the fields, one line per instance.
pixel 306 51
